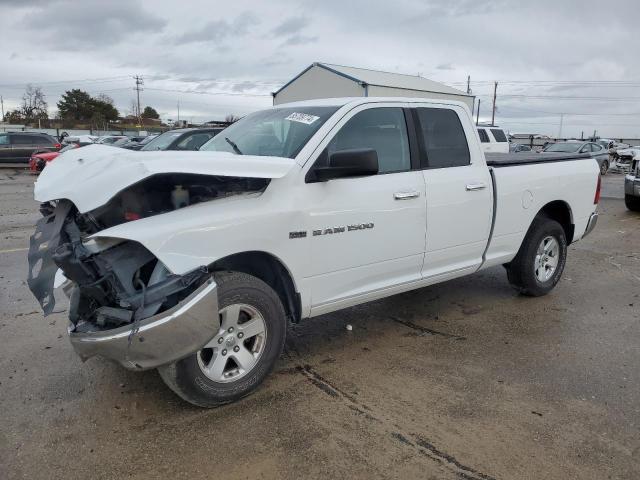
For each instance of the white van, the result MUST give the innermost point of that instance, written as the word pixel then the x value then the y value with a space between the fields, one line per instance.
pixel 493 139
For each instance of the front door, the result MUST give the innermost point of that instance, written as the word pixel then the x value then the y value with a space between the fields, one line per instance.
pixel 367 233
pixel 458 191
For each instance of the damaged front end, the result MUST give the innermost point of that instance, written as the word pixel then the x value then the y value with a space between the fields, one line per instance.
pixel 124 304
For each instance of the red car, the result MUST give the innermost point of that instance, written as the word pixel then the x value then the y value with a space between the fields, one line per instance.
pixel 39 160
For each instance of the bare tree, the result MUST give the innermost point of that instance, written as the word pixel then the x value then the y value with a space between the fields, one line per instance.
pixel 103 97
pixel 34 104
pixel 231 118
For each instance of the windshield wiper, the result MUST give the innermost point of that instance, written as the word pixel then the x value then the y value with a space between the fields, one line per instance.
pixel 233 145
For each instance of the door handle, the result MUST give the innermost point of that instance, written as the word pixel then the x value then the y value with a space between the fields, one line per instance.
pixel 405 195
pixel 475 186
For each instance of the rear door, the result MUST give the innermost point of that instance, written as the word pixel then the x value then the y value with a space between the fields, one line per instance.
pixel 458 191
pixel 23 146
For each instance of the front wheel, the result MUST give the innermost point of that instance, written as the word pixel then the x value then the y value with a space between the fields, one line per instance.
pixel 243 352
pixel 604 168
pixel 538 266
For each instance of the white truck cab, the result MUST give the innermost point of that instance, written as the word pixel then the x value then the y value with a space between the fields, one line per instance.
pixel 292 212
pixel 493 139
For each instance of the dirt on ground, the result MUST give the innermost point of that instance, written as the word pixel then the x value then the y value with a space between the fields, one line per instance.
pixel 465 379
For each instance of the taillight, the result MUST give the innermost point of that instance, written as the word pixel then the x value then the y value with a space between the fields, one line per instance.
pixel 130 216
pixel 596 198
pixel 57 146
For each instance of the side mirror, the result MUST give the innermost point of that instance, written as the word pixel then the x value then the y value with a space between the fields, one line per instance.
pixel 348 163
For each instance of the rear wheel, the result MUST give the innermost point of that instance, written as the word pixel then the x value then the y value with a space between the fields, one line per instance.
pixel 539 264
pixel 604 168
pixel 632 203
pixel 243 352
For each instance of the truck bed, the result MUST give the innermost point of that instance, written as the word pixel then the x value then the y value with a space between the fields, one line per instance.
pixel 511 159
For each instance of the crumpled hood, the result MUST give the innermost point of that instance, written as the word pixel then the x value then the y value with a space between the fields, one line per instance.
pixel 90 176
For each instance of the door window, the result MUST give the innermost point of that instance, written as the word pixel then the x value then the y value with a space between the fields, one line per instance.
pixel 484 136
pixel 499 135
pixel 443 141
pixel 4 139
pixel 381 129
pixel 194 142
pixel 23 140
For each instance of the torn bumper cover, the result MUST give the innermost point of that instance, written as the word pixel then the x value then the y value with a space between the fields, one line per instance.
pixel 157 340
pixel 124 304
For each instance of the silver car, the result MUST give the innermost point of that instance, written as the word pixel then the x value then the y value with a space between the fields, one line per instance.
pixel 596 151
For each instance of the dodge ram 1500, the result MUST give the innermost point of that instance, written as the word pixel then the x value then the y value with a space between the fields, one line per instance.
pixel 194 262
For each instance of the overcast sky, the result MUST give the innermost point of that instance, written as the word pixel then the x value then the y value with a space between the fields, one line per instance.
pixel 217 58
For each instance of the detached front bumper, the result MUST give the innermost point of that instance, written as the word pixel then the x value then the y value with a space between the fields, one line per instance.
pixel 157 340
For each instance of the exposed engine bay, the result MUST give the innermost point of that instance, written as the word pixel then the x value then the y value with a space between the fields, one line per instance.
pixel 166 192
pixel 111 282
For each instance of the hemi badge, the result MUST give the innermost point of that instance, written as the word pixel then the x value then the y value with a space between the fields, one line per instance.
pixel 297 234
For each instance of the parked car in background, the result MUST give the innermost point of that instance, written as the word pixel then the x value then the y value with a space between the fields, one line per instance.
pixel 182 139
pixel 623 158
pixel 110 139
pixel 493 139
pixel 632 185
pixel 38 161
pixel 596 151
pixel 137 145
pixel 80 139
pixel 17 147
pixel 517 148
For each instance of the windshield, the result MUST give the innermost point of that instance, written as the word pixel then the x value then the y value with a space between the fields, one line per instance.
pixel 277 132
pixel 162 142
pixel 563 147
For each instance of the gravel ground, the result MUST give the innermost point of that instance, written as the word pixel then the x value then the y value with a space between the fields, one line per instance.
pixel 460 380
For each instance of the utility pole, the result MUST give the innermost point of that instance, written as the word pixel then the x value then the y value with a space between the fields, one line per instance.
pixel 468 84
pixel 2 104
pixel 478 113
pixel 178 113
pixel 560 130
pixel 138 88
pixel 493 110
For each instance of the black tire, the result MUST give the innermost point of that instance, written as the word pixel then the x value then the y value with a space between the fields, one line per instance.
pixel 604 168
pixel 187 379
pixel 632 203
pixel 522 270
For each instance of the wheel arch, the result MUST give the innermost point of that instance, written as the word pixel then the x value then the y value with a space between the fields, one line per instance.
pixel 560 211
pixel 271 270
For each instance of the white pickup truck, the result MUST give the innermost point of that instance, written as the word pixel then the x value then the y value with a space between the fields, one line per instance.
pixel 194 262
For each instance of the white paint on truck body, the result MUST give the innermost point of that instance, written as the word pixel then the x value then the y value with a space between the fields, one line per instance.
pixel 439 229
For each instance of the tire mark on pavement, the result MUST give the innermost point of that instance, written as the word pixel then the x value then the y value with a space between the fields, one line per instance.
pixel 419 444
pixel 426 331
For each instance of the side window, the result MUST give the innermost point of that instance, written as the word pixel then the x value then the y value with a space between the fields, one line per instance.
pixel 24 140
pixel 499 135
pixel 595 147
pixel 194 142
pixel 42 140
pixel 382 129
pixel 585 149
pixel 484 136
pixel 4 139
pixel 444 142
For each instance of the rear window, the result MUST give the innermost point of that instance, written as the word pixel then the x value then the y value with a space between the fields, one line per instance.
pixel 162 142
pixel 484 136
pixel 499 135
pixel 443 140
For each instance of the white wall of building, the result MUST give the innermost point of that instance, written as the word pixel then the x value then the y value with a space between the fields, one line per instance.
pixel 375 91
pixel 318 83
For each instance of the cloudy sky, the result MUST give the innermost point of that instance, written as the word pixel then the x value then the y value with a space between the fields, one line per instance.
pixel 549 57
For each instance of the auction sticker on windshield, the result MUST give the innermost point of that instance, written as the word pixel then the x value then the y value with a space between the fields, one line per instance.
pixel 302 118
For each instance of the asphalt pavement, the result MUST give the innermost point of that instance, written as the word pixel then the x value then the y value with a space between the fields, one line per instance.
pixel 464 379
